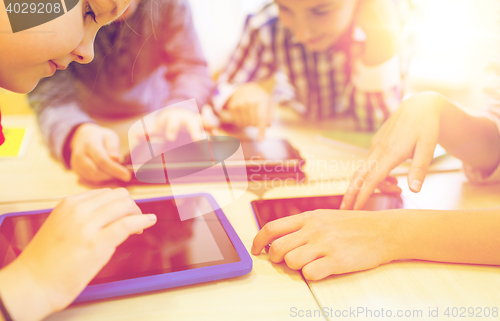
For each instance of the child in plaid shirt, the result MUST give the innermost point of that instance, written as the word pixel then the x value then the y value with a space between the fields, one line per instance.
pixel 338 56
pixel 325 242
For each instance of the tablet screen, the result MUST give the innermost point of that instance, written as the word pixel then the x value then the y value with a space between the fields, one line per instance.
pixel 275 150
pixel 169 246
pixel 273 209
pixel 267 150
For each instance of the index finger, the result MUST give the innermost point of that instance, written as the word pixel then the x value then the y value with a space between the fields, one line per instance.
pixel 195 129
pixel 352 192
pixel 374 177
pixel 104 163
pixel 114 210
pixel 275 229
pixel 422 158
pixel 366 181
pixel 353 189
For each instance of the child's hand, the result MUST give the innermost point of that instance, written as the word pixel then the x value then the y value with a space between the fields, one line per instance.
pixel 412 132
pixel 379 20
pixel 251 105
pixel 75 242
pixel 171 120
pixel 95 154
pixel 326 242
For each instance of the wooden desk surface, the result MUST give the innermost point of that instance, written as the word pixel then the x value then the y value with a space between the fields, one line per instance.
pixel 37 181
pixel 404 285
pixel 271 290
pixel 415 285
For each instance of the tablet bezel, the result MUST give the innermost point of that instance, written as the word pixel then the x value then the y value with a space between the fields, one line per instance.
pixel 169 279
pixel 295 159
pixel 339 197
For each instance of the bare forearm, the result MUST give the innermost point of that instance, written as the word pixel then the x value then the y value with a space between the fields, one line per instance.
pixel 474 140
pixel 379 20
pixel 466 236
pixel 380 46
pixel 23 297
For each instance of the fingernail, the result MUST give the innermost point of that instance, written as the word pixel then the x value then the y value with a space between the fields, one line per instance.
pixel 152 217
pixel 416 185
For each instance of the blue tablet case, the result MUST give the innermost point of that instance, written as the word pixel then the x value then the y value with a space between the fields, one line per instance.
pixel 171 279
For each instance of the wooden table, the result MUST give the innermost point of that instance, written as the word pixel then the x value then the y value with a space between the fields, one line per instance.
pixel 410 287
pixel 272 291
pixel 416 285
pixel 37 181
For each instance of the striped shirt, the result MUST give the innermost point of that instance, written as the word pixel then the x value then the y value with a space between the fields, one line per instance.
pixel 328 83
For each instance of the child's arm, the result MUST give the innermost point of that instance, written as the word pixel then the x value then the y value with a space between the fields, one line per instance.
pixel 94 153
pixel 71 135
pixel 413 132
pixel 74 243
pixel 326 242
pixel 379 20
pixel 243 88
pixel 187 73
pixel 251 105
pixel 379 61
pixel 460 236
pixel 56 105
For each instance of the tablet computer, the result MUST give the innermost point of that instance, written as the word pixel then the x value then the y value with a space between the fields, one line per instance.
pixel 263 160
pixel 273 209
pixel 171 253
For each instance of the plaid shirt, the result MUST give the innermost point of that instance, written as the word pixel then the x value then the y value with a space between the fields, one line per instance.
pixel 328 83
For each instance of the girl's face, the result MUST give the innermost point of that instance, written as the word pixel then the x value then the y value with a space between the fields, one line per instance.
pixel 29 55
pixel 317 24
